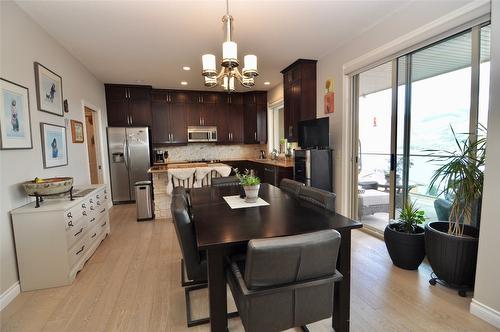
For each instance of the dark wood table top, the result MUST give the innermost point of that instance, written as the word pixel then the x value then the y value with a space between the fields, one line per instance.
pixel 218 225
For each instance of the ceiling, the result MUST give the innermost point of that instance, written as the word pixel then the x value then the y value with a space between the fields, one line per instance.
pixel 148 42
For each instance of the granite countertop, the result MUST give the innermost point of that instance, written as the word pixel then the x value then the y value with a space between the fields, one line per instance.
pixel 162 168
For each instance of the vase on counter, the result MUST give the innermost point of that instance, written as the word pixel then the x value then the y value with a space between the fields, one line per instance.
pixel 251 193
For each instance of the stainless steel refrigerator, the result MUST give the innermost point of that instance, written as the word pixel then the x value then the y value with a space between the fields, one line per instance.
pixel 129 160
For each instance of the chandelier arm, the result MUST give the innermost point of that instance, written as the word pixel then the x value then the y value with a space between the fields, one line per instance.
pixel 221 74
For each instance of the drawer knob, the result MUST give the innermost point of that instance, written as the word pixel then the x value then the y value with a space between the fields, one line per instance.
pixel 84 213
pixel 91 201
pixel 70 223
pixel 69 215
pixel 105 196
pixel 98 203
pixel 97 196
pixel 84 206
pixel 92 207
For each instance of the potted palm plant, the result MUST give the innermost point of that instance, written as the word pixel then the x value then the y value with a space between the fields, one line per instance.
pixel 404 239
pixel 451 246
pixel 250 183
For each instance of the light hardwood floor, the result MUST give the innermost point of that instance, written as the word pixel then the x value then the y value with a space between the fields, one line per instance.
pixel 132 283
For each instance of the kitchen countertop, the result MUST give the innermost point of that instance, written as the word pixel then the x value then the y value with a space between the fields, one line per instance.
pixel 162 168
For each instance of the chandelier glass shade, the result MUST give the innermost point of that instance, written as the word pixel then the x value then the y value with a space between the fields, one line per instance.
pixel 229 72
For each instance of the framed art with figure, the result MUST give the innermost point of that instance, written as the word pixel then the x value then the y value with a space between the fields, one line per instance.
pixel 76 131
pixel 15 121
pixel 54 145
pixel 49 95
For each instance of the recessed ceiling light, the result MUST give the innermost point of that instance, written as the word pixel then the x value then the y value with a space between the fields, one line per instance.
pixel 186 68
pixel 267 83
pixel 184 83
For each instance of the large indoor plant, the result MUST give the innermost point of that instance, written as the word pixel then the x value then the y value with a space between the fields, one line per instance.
pixel 451 246
pixel 250 183
pixel 404 239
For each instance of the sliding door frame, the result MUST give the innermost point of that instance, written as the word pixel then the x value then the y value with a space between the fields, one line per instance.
pixel 475 30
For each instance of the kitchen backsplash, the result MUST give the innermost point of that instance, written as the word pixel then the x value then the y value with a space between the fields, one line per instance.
pixel 212 151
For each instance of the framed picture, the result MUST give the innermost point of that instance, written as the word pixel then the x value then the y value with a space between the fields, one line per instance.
pixel 54 147
pixel 329 98
pixel 76 131
pixel 15 122
pixel 49 95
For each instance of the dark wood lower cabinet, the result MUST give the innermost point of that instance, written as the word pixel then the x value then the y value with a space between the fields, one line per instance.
pixel 271 174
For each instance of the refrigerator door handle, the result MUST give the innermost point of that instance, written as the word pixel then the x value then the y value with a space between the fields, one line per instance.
pixel 125 152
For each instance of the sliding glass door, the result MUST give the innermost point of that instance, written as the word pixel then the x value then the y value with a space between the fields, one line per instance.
pixel 405 110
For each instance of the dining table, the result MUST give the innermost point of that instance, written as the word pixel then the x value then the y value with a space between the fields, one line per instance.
pixel 222 231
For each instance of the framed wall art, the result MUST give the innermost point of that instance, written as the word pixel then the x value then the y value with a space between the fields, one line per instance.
pixel 54 145
pixel 76 131
pixel 49 95
pixel 329 98
pixel 15 121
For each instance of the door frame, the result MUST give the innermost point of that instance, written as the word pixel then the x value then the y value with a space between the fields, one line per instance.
pixel 102 174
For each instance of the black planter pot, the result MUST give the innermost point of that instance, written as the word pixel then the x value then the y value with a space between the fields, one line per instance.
pixel 407 250
pixel 453 259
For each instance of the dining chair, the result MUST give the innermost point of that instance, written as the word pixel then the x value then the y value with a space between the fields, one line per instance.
pixel 285 282
pixel 225 181
pixel 193 262
pixel 318 197
pixel 291 186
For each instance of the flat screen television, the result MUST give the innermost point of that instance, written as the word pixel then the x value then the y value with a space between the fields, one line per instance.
pixel 314 134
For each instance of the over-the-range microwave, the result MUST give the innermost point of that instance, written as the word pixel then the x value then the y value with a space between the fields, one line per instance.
pixel 202 134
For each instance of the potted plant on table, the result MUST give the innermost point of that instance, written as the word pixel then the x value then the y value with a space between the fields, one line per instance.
pixel 250 183
pixel 404 239
pixel 451 246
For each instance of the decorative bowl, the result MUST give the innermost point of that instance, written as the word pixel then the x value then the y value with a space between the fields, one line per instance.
pixel 49 186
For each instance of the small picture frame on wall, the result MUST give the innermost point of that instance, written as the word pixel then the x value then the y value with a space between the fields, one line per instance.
pixel 15 117
pixel 49 95
pixel 54 145
pixel 77 131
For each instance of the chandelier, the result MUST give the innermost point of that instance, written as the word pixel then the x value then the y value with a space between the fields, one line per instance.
pixel 229 71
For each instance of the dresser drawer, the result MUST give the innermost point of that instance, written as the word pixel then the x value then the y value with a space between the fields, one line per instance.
pixel 104 223
pixel 74 214
pixel 77 251
pixel 75 233
pixel 93 234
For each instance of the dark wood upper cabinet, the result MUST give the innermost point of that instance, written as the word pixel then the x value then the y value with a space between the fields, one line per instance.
pixel 299 84
pixel 169 117
pixel 255 117
pixel 229 120
pixel 128 105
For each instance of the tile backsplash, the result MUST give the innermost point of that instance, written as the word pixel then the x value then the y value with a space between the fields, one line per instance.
pixel 212 151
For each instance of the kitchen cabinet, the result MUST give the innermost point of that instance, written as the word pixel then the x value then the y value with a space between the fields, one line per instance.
pixel 169 118
pixel 128 105
pixel 299 85
pixel 202 108
pixel 267 173
pixel 230 120
pixel 255 117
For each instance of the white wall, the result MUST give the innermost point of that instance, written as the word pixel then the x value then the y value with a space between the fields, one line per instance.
pixel 400 24
pixel 275 94
pixel 487 289
pixel 22 43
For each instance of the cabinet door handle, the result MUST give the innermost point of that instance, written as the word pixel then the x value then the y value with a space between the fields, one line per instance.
pixel 79 251
pixel 172 137
pixel 255 135
pixel 81 230
pixel 131 120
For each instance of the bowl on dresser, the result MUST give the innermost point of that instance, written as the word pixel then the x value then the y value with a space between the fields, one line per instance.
pixel 48 187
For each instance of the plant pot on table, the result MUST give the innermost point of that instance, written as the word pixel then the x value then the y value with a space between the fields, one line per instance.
pixel 251 193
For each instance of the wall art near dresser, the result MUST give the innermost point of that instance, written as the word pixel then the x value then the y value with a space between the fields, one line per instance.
pixel 15 122
pixel 76 131
pixel 49 94
pixel 54 145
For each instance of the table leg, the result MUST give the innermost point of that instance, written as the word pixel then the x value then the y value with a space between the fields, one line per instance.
pixel 342 293
pixel 217 290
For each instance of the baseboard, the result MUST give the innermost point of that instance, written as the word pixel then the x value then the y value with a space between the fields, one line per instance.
pixel 486 313
pixel 9 295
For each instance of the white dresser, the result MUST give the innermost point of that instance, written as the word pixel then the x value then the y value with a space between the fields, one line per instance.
pixel 54 241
